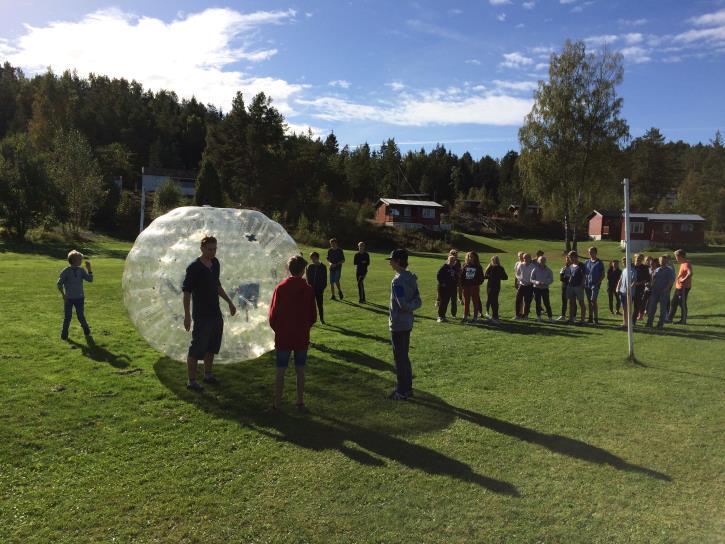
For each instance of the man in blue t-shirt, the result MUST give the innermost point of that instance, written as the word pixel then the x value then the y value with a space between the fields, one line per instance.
pixel 593 276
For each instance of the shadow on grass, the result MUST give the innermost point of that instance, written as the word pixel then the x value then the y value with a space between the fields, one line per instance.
pixel 639 362
pixel 60 249
pixel 356 357
pixel 348 415
pixel 562 445
pixel 100 354
pixel 357 334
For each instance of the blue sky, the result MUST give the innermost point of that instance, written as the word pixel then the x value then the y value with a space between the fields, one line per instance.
pixel 458 73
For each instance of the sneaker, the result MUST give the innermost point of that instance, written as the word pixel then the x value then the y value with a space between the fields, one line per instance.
pixel 464 320
pixel 561 318
pixel 396 396
pixel 538 318
pixel 322 322
pixel 211 379
pixel 596 321
pixel 194 386
pixel 590 320
pixel 518 318
pixel 487 316
pixel 495 321
pixel 551 320
pixel 341 297
pixel 333 297
pixel 64 337
pixel 474 320
pixel 581 322
pixel 440 320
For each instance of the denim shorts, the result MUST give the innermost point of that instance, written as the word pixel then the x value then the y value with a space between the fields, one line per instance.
pixel 592 293
pixel 335 274
pixel 206 336
pixel 283 357
pixel 575 292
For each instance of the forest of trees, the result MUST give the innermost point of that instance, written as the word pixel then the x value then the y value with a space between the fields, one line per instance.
pixel 64 139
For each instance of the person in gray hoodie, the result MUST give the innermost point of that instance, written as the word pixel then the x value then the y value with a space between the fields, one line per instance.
pixel 541 279
pixel 70 285
pixel 404 299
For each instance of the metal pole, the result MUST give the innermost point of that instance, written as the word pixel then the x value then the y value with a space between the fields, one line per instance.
pixel 627 231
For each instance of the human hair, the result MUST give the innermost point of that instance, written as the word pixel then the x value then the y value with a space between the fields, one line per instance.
pixel 296 265
pixel 539 253
pixel 573 255
pixel 314 254
pixel 333 241
pixel 453 251
pixel 360 244
pixel 208 240
pixel 495 261
pixel 663 259
pixel 614 264
pixel 624 260
pixel 526 255
pixel 638 257
pixel 520 255
pixel 593 250
pixel 472 258
pixel 655 262
pixel 72 254
pixel 680 253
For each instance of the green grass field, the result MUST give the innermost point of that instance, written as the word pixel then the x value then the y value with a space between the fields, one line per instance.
pixel 524 433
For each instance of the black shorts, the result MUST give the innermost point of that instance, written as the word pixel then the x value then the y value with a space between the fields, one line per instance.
pixel 206 336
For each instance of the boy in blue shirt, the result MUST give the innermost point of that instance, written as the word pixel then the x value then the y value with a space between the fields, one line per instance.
pixel 404 299
pixel 593 276
pixel 70 285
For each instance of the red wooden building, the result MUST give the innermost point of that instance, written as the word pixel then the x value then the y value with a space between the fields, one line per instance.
pixel 409 214
pixel 605 225
pixel 674 230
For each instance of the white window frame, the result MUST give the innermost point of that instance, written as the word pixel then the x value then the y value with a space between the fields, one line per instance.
pixel 637 227
pixel 428 213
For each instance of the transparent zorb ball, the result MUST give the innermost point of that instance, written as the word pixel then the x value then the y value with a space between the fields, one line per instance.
pixel 252 250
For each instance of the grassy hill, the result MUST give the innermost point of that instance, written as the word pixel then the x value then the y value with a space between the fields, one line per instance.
pixel 528 432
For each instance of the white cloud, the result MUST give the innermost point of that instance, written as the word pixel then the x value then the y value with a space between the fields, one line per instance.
pixel 342 83
pixel 475 62
pixel 567 1
pixel 541 66
pixel 716 34
pixel 189 55
pixel 528 5
pixel 597 41
pixel 303 128
pixel 515 60
pixel 543 50
pixel 710 19
pixel 499 2
pixel 523 86
pixel 455 11
pixel 501 17
pixel 396 86
pixel 635 54
pixel 633 38
pixel 520 25
pixel 425 108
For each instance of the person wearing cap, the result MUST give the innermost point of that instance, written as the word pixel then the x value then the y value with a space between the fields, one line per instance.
pixel 404 299
pixel 70 285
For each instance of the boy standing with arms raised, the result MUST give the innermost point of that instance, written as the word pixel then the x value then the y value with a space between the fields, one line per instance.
pixel 404 299
pixel 70 285
pixel 202 289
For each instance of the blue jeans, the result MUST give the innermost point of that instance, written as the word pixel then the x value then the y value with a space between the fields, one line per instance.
pixel 68 305
pixel 283 357
pixel 660 298
pixel 401 346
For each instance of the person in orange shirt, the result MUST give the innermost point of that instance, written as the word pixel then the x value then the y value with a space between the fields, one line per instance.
pixel 683 284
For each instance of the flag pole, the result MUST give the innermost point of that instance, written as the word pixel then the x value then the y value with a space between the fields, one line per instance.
pixel 627 244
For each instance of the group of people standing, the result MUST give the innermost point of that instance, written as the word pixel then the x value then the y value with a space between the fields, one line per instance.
pixel 298 299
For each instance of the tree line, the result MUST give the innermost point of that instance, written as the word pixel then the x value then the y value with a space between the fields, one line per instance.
pixel 65 139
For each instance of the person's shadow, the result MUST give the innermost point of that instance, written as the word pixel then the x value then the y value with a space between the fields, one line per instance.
pixel 348 413
pixel 100 354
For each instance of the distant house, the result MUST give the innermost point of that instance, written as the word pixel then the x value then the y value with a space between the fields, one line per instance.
pixel 664 230
pixel 409 214
pixel 531 209
pixel 152 178
pixel 605 225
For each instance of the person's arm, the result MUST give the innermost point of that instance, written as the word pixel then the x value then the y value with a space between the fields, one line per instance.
pixel 223 294
pixel 273 311
pixel 312 307
pixel 688 273
pixel 415 301
pixel 504 275
pixel 87 273
pixel 59 284
pixel 187 315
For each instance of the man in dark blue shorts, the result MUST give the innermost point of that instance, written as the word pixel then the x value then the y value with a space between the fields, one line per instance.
pixel 202 289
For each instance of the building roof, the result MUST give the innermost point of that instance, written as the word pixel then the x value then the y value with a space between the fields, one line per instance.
pixel 667 216
pixel 421 203
pixel 606 213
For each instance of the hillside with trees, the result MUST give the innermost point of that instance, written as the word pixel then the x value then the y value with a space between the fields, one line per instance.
pixel 64 139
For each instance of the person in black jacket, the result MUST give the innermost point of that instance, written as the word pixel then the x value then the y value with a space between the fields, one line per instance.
pixel 494 273
pixel 447 286
pixel 361 262
pixel 316 276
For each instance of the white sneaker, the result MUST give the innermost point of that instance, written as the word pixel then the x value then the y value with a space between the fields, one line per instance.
pixel 440 320
pixel 561 318
pixel 487 316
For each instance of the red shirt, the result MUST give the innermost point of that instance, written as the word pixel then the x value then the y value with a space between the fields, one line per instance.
pixel 292 313
pixel 685 270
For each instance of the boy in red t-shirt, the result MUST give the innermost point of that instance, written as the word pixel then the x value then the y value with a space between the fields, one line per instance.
pixel 291 315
